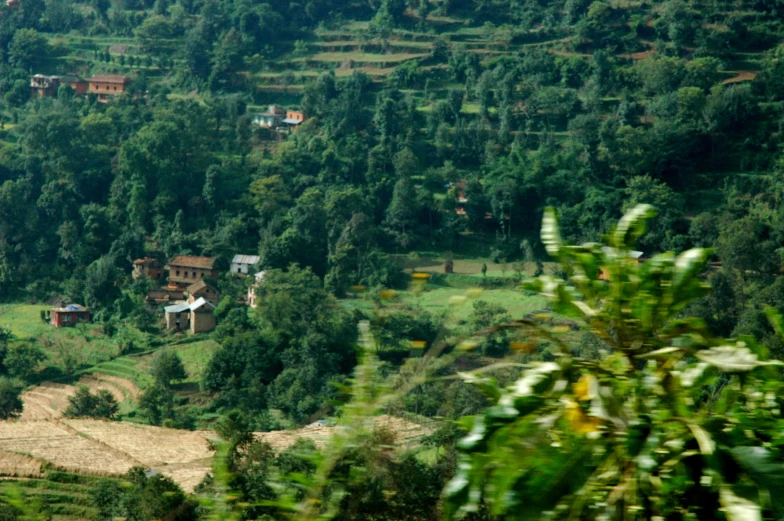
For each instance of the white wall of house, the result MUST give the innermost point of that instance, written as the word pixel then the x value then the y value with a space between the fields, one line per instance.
pixel 238 267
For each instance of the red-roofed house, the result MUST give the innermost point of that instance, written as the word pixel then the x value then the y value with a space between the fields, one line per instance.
pixel 147 267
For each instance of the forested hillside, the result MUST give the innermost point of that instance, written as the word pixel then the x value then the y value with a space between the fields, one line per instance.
pixel 405 132
pixel 587 106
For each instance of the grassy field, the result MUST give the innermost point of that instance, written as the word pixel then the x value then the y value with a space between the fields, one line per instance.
pixel 77 347
pixel 24 320
pixel 455 303
pixel 462 266
pixel 195 357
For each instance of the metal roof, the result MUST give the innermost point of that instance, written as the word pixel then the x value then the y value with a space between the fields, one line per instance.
pixel 177 308
pixel 246 259
pixel 201 303
pixel 290 121
pixel 259 276
pixel 71 307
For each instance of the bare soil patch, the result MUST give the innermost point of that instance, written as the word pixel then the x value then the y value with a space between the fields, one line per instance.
pixel 741 76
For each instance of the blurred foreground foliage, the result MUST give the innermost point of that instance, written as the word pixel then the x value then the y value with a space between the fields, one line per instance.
pixel 670 423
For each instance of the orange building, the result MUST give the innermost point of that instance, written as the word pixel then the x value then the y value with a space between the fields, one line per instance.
pixel 106 86
pixel 79 85
pixel 294 118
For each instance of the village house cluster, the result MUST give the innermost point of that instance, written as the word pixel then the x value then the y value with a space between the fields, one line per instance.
pixel 189 299
pixel 104 86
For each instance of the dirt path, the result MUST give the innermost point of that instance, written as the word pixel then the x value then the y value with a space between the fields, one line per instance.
pixel 740 76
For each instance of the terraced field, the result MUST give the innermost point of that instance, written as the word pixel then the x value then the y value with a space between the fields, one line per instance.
pixel 101 448
pixel 65 496
pixel 43 438
pixel 49 400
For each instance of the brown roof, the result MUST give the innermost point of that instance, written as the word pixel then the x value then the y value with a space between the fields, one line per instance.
pixel 198 286
pixel 190 261
pixel 147 261
pixel 111 78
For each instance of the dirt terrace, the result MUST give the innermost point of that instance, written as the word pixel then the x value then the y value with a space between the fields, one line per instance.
pixel 104 448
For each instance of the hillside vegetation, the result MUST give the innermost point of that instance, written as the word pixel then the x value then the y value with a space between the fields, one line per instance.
pixel 396 225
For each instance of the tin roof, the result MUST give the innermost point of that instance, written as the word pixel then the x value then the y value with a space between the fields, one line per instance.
pixel 200 304
pixel 191 261
pixel 180 308
pixel 246 259
pixel 71 307
pixel 290 121
pixel 177 308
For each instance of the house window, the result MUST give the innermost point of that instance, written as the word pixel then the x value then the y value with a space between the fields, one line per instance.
pixel 239 270
pixel 194 274
pixel 178 273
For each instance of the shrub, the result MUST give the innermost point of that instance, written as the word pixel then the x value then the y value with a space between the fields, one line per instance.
pixel 10 403
pixel 84 404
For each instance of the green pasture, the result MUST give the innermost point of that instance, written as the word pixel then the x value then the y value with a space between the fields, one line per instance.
pixel 194 355
pixel 25 320
pixel 455 303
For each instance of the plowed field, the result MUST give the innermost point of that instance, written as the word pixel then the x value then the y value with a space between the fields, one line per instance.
pixel 103 448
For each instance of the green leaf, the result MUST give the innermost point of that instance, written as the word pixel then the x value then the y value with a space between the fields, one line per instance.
pixel 688 265
pixel 551 235
pixel 733 359
pixel 737 508
pixel 704 440
pixel 693 374
pixel 759 465
pixel 474 440
pixel 632 226
pixel 486 386
pixel 664 352
pixel 776 320
pixel 457 488
pixel 534 380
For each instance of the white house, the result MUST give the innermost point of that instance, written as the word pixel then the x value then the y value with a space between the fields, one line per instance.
pixel 252 290
pixel 243 263
pixel 270 119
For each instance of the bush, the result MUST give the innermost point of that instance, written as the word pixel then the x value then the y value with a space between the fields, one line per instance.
pixel 22 360
pixel 10 403
pixel 167 367
pixel 84 404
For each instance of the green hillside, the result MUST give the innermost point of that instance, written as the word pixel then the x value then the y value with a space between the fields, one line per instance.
pixel 390 163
